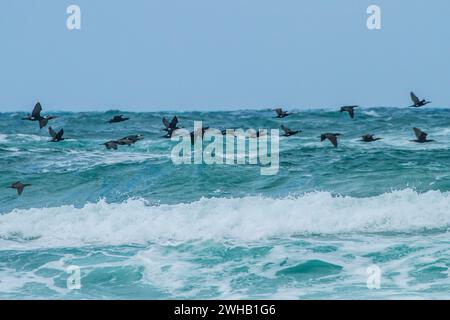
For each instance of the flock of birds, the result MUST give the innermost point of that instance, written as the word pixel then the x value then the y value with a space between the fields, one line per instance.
pixel 421 137
pixel 172 126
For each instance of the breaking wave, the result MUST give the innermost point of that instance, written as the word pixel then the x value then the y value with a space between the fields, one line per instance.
pixel 241 219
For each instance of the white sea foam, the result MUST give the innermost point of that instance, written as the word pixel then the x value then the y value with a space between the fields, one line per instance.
pixel 372 113
pixel 249 218
pixel 30 137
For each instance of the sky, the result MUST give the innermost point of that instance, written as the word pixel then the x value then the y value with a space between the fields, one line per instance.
pixel 148 55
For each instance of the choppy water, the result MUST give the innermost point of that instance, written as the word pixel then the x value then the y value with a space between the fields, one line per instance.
pixel 140 227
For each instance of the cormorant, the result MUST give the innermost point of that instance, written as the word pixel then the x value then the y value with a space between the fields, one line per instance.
pixel 417 102
pixel 330 136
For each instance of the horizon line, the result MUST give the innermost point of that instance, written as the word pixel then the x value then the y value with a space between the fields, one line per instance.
pixel 221 109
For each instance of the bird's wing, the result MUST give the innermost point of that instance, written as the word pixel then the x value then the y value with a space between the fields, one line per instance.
pixel 166 122
pixel 43 122
pixel 351 112
pixel 174 122
pixel 333 140
pixel 414 98
pixel 279 111
pixel 52 132
pixel 60 134
pixel 20 189
pixel 15 184
pixel 111 145
pixel 37 110
pixel 420 134
pixel 285 129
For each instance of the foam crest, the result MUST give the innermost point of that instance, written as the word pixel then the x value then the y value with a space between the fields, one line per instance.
pixel 242 219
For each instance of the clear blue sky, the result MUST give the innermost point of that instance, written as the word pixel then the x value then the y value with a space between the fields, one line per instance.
pixel 222 54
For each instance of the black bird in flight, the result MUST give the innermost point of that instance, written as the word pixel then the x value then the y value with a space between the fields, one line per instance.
pixel 330 136
pixel 118 118
pixel 129 140
pixel 288 132
pixel 281 113
pixel 56 136
pixel 36 116
pixel 19 186
pixel 421 136
pixel 170 126
pixel 126 141
pixel 369 138
pixel 350 110
pixel 417 102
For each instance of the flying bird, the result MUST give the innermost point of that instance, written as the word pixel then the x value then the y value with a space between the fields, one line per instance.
pixel 36 116
pixel 350 110
pixel 421 136
pixel 288 132
pixel 56 136
pixel 118 118
pixel 19 186
pixel 369 138
pixel 281 113
pixel 417 102
pixel 126 141
pixel 330 136
pixel 129 140
pixel 170 126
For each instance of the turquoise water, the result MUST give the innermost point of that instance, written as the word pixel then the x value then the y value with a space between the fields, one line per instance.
pixel 139 226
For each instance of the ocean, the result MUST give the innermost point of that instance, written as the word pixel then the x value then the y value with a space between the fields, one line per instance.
pixel 136 226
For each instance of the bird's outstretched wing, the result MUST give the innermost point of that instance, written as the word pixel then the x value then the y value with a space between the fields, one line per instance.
pixel 59 134
pixel 420 134
pixel 333 140
pixel 52 132
pixel 173 123
pixel 285 129
pixel 20 189
pixel 37 111
pixel 414 98
pixel 15 184
pixel 279 111
pixel 43 122
pixel 166 122
pixel 111 145
pixel 351 112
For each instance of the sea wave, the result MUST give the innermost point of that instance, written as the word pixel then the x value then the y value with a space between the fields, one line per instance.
pixel 242 219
